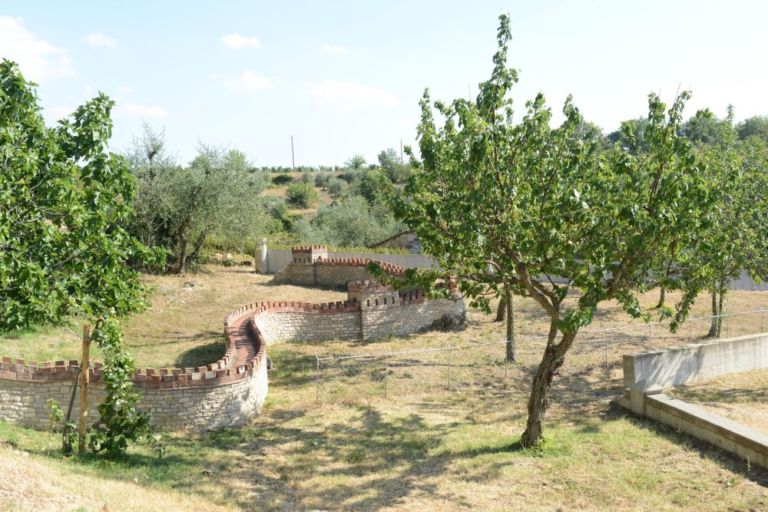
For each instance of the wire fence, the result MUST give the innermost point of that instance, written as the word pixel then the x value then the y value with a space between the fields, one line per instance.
pixel 440 373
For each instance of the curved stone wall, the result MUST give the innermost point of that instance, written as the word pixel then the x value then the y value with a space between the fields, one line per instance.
pixel 228 392
pixel 231 391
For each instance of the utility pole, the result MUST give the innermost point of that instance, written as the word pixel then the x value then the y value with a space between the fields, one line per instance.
pixel 401 152
pixel 293 158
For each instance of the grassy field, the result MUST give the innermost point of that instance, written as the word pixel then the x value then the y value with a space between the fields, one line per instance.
pixel 741 397
pixel 426 430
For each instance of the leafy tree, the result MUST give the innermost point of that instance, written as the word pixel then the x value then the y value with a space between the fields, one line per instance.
pixel 737 239
pixel 705 127
pixel 756 126
pixel 534 202
pixel 357 162
pixel 630 136
pixel 282 179
pixel 349 222
pixel 179 208
pixel 374 187
pixel 301 195
pixel 65 202
pixel 393 167
pixel 336 186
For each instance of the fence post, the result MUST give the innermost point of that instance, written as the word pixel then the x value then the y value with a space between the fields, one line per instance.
pixel 762 320
pixel 317 378
pixel 650 334
pixel 84 379
pixel 386 374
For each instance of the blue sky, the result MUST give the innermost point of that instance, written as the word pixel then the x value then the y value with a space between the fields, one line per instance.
pixel 346 77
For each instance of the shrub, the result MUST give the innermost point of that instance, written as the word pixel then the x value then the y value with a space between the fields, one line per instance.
pixel 336 186
pixel 301 195
pixel 282 179
pixel 322 179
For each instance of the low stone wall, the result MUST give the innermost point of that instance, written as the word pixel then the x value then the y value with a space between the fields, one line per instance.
pixel 378 316
pixel 647 374
pixel 228 392
pixel 299 321
pixel 311 266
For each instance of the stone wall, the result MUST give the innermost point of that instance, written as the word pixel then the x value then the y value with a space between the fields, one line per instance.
pixel 190 408
pixel 228 392
pixel 371 313
pixel 311 266
pixel 296 321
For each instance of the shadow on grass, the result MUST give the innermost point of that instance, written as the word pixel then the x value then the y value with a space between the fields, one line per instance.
pixel 201 355
pixel 705 450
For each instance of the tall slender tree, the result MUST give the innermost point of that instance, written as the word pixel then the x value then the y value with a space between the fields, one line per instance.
pixel 535 202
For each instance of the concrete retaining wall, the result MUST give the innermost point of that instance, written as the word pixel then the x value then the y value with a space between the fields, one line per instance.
pixel 647 374
pixel 695 363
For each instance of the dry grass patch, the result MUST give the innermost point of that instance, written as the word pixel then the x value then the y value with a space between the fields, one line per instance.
pixel 742 397
pixel 427 431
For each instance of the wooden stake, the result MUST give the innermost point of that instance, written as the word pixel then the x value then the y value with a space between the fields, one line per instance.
pixel 84 378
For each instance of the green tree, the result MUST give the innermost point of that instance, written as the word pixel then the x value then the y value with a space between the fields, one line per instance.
pixel 756 126
pixel 374 187
pixel 64 203
pixel 737 239
pixel 535 202
pixel 301 195
pixel 349 222
pixel 179 208
pixel 393 167
pixel 357 162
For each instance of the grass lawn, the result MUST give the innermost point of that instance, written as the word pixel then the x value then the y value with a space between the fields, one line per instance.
pixel 742 397
pixel 427 431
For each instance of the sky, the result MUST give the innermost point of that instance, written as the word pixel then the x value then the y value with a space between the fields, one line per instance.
pixel 345 77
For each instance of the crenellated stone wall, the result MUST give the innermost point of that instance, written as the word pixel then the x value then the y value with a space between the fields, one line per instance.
pixel 228 392
pixel 231 391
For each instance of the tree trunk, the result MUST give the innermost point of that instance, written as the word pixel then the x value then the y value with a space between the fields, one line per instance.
pixel 510 353
pixel 662 296
pixel 714 327
pixel 197 246
pixel 181 263
pixel 502 310
pixel 551 361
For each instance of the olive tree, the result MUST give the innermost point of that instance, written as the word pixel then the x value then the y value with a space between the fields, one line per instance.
pixel 533 203
pixel 179 208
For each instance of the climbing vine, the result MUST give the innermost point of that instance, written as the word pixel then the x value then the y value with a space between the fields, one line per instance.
pixel 120 421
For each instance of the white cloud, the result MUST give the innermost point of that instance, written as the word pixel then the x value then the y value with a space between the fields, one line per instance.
pixel 131 109
pixel 350 94
pixel 99 40
pixel 334 49
pixel 247 81
pixel 125 89
pixel 238 41
pixel 38 59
